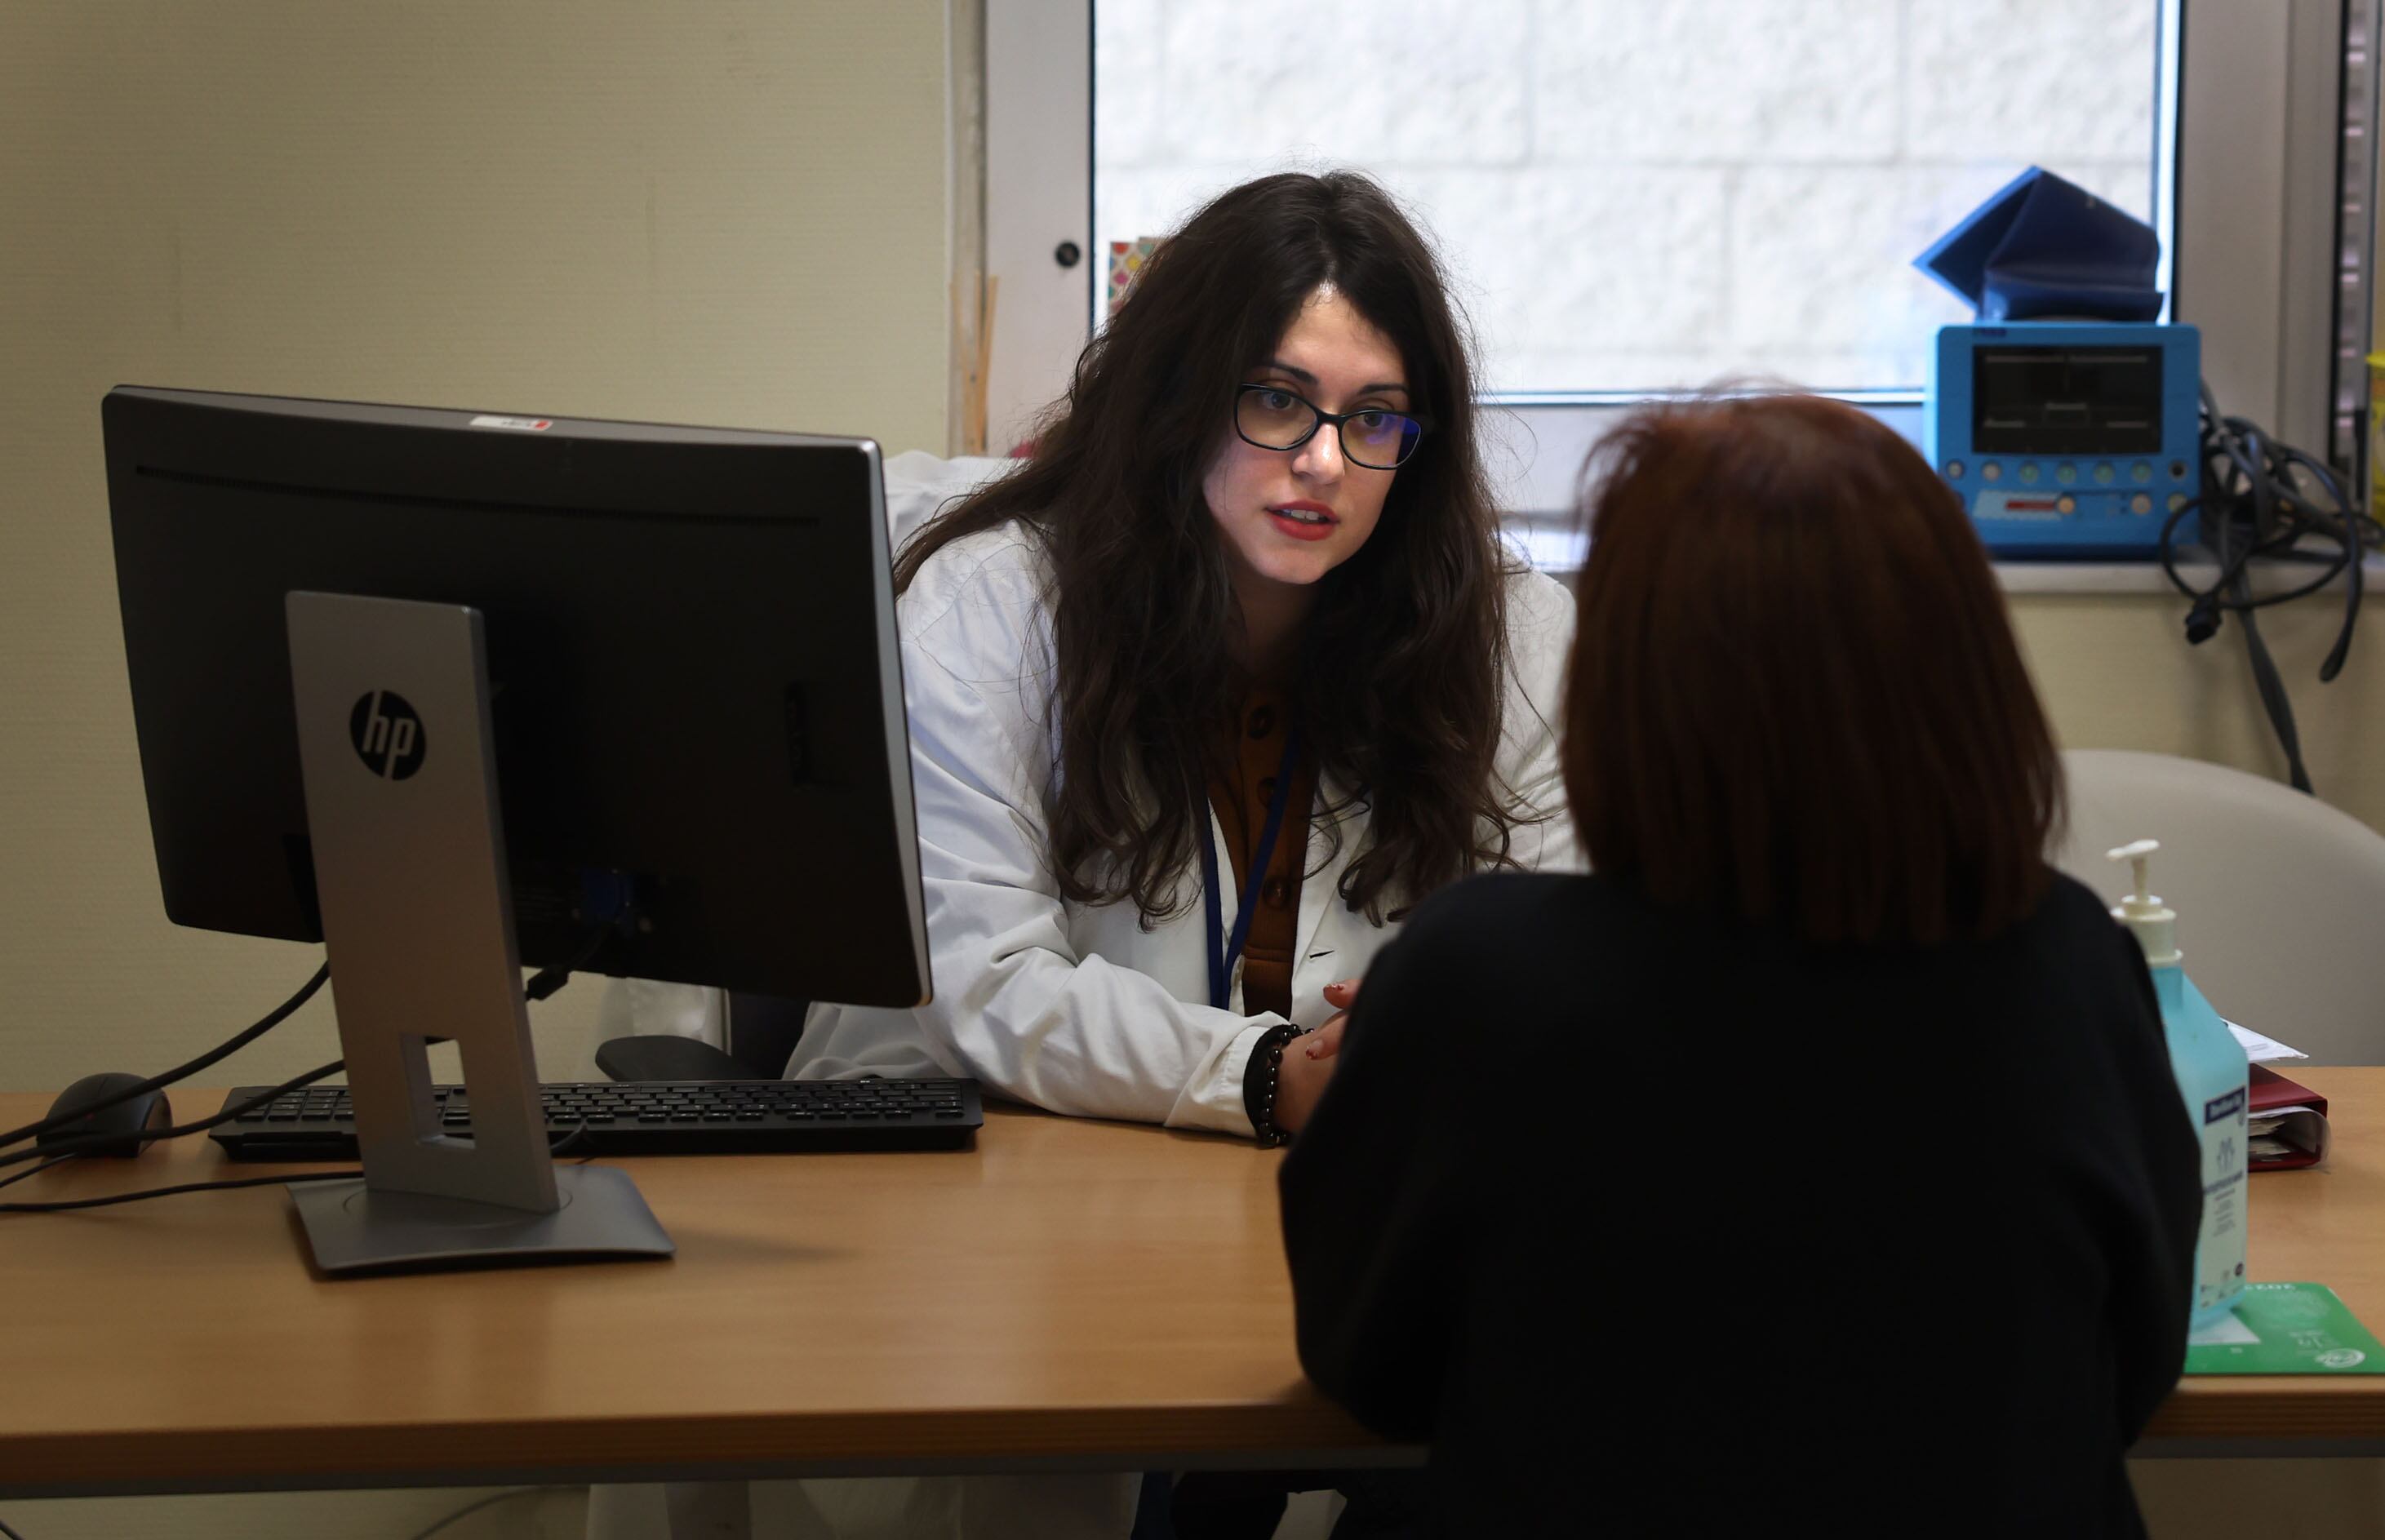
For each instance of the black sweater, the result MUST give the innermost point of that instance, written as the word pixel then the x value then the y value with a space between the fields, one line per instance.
pixel 1657 1222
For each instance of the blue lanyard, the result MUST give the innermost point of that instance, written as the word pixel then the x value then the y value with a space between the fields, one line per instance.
pixel 1222 952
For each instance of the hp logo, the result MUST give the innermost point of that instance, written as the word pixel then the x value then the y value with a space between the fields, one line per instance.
pixel 387 734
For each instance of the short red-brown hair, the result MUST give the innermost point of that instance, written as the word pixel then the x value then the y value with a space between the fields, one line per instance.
pixel 1795 690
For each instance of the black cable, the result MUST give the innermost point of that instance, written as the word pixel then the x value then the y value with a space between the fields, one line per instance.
pixel 62 1205
pixel 2271 689
pixel 540 985
pixel 84 1142
pixel 546 981
pixel 488 1501
pixel 50 1164
pixel 180 1071
pixel 50 1156
pixel 2254 504
pixel 11 1533
pixel 66 1150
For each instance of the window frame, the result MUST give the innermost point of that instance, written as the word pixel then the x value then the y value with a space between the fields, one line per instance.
pixel 2249 169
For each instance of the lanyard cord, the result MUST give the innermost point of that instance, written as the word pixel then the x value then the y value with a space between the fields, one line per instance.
pixel 1222 952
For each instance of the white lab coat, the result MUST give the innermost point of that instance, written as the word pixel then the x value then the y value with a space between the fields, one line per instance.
pixel 1081 1008
pixel 1077 1008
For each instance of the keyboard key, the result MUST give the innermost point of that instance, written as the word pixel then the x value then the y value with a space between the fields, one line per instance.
pixel 645 1117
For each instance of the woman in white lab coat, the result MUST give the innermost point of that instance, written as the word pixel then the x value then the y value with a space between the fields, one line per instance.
pixel 1250 576
pixel 1230 673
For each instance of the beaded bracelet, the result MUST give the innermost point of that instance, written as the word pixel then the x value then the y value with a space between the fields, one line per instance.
pixel 1260 1080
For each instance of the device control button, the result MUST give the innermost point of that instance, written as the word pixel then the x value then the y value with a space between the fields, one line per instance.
pixel 1991 471
pixel 2178 471
pixel 2176 501
pixel 2066 504
pixel 1954 470
pixel 2065 473
pixel 2104 473
pixel 2140 472
pixel 2141 503
pixel 2028 473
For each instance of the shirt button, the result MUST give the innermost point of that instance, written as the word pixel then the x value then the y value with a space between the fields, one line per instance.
pixel 1275 892
pixel 1267 787
pixel 1262 720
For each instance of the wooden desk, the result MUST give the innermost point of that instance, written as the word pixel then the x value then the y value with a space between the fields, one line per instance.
pixel 2322 1226
pixel 1070 1295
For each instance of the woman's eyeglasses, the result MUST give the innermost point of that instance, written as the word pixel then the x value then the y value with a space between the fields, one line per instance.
pixel 1268 416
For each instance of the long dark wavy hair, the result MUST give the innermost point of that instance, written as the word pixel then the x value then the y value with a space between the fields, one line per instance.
pixel 1398 678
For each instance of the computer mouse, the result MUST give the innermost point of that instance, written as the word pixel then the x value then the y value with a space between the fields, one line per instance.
pixel 138 1120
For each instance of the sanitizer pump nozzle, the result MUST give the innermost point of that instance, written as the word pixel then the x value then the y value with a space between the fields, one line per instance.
pixel 2154 922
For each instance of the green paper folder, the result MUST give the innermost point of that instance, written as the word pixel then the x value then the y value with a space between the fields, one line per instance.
pixel 2286 1329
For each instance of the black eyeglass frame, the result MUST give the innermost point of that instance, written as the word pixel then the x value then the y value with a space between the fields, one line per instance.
pixel 1319 417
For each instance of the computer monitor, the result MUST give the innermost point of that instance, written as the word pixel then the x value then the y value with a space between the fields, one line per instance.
pixel 458 691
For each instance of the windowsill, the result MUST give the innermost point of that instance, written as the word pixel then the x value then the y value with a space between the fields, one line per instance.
pixel 2146 578
pixel 1552 543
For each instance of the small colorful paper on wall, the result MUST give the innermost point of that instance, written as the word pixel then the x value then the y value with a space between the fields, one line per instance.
pixel 1126 258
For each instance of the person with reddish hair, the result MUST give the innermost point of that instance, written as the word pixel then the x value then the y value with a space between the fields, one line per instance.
pixel 1819 1161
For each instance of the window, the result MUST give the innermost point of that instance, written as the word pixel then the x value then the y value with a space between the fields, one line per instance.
pixel 1644 194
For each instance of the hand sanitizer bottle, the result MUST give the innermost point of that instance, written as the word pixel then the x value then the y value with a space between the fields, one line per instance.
pixel 2210 1067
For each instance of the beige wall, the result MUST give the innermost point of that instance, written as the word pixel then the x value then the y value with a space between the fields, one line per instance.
pixel 2116 673
pixel 728 212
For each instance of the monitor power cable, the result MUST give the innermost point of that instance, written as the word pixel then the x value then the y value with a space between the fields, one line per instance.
pixel 539 986
pixel 222 1051
pixel 66 1148
pixel 2261 499
pixel 60 1154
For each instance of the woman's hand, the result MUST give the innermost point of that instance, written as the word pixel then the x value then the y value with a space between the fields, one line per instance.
pixel 1308 1061
pixel 1328 1038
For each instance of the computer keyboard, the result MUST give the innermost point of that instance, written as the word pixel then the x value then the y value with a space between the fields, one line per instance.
pixel 708 1117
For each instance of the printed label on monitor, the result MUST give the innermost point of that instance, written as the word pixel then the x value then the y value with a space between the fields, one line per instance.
pixel 519 425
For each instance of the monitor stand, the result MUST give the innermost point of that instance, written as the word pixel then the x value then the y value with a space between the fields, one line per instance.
pixel 395 747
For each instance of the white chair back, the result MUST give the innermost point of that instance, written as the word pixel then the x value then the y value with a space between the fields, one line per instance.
pixel 2281 897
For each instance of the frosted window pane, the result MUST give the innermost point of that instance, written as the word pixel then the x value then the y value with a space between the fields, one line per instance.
pixel 1637 195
